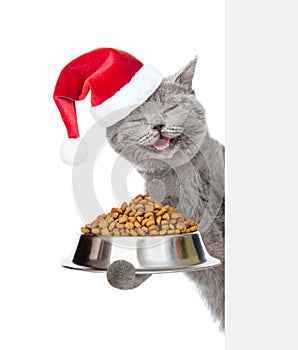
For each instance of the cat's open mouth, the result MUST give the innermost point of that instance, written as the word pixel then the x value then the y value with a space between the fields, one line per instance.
pixel 162 143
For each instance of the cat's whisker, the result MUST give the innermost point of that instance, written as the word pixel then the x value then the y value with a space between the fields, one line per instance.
pixel 172 131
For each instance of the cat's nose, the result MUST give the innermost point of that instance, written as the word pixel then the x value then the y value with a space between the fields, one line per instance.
pixel 158 127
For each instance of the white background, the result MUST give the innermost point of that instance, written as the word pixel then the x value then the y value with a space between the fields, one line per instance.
pixel 262 190
pixel 44 306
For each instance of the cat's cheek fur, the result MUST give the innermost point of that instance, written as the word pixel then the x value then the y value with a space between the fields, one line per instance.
pixel 113 142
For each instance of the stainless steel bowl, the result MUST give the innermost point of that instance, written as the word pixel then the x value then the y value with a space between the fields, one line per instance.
pixel 150 254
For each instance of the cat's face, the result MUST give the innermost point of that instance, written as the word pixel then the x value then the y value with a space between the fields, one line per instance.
pixel 165 130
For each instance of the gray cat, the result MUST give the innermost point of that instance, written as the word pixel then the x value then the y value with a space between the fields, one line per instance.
pixel 167 140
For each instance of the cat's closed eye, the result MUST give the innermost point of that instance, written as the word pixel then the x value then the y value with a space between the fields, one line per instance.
pixel 137 120
pixel 170 109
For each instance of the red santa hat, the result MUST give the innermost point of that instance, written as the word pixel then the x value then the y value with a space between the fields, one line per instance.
pixel 118 82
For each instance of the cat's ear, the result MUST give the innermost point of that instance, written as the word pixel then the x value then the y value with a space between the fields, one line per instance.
pixel 185 75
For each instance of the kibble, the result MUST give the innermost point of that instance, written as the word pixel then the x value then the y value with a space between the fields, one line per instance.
pixel 142 217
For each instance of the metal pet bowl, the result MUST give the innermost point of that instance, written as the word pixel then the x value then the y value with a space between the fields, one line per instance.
pixel 150 254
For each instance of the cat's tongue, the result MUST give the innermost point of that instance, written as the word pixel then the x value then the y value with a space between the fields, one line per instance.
pixel 162 143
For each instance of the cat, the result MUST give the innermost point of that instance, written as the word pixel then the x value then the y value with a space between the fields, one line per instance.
pixel 167 140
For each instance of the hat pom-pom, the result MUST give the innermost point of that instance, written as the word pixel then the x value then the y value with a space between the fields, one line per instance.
pixel 74 151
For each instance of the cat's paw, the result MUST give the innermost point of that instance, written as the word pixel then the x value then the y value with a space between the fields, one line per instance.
pixel 121 275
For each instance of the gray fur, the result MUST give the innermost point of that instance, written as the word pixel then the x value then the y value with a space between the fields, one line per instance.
pixel 188 175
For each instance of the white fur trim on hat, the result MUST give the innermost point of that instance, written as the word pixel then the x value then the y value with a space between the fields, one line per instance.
pixel 142 85
pixel 74 151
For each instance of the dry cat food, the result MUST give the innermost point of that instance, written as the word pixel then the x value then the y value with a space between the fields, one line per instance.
pixel 143 216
